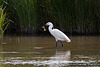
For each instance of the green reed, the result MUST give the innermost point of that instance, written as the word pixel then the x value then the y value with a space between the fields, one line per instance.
pixel 26 13
pixel 3 24
pixel 63 12
pixel 73 16
pixel 81 16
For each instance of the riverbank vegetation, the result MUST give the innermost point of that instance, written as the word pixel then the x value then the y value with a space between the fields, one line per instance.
pixel 73 17
pixel 3 23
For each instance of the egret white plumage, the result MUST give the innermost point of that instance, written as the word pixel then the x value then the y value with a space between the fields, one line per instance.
pixel 59 36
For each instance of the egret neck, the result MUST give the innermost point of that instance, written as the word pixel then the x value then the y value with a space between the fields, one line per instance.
pixel 51 29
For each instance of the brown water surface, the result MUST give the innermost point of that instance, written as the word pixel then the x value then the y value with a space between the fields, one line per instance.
pixel 42 52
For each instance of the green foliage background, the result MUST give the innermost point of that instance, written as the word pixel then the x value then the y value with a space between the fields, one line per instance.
pixel 70 16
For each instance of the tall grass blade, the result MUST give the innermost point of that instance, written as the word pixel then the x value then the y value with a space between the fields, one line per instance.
pixel 3 24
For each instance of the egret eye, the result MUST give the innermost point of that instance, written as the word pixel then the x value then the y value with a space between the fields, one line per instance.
pixel 44 28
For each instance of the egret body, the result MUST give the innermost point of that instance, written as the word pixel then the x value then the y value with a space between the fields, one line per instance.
pixel 59 36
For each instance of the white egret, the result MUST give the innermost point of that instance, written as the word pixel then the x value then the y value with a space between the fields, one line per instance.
pixel 59 36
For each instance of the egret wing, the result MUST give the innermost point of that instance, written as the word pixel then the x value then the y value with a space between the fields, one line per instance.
pixel 60 35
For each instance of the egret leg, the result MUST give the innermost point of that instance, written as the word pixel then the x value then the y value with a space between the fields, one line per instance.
pixel 56 44
pixel 61 43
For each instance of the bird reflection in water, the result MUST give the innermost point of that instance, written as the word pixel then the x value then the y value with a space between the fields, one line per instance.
pixel 61 58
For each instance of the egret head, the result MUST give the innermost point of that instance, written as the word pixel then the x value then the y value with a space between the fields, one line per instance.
pixel 49 24
pixel 46 25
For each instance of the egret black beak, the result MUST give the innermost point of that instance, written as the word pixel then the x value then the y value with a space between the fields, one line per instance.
pixel 44 28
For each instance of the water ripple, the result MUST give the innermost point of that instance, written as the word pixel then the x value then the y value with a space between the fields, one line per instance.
pixel 33 61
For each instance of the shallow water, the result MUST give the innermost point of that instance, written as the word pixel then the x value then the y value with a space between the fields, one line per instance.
pixel 83 51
